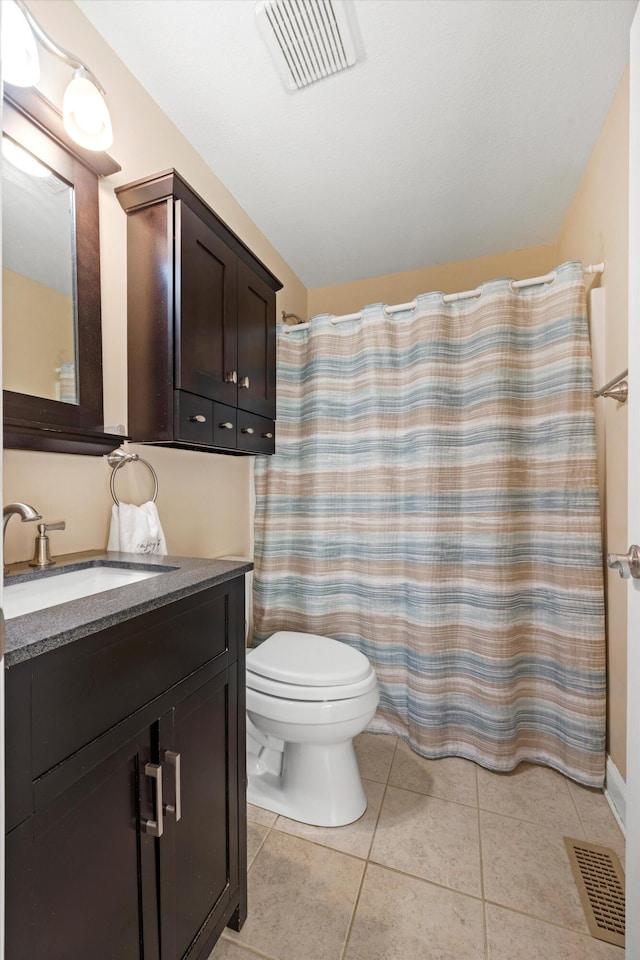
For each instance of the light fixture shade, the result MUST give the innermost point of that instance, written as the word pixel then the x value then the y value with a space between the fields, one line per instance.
pixel 20 64
pixel 85 113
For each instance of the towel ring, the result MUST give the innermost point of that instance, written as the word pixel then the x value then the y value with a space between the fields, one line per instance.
pixel 116 459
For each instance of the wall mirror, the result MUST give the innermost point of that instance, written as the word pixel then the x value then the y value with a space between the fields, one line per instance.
pixel 52 340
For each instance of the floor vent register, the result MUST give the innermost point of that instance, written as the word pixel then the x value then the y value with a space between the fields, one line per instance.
pixel 600 881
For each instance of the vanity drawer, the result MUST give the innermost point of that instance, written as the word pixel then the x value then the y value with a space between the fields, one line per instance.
pixel 83 689
pixel 194 418
pixel 255 434
pixel 224 425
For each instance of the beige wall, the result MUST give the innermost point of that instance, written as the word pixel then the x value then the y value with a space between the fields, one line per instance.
pixel 449 277
pixel 204 499
pixel 596 228
pixel 37 335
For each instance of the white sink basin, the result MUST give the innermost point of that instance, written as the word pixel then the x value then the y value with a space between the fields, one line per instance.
pixel 31 595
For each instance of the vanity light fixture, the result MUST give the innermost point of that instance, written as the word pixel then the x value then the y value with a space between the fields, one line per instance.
pixel 84 109
pixel 85 113
pixel 20 64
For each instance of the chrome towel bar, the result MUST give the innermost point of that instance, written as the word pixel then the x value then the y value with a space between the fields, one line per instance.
pixel 617 388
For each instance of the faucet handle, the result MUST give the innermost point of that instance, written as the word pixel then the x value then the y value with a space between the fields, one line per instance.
pixel 42 557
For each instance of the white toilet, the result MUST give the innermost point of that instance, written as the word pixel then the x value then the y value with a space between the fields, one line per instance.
pixel 307 698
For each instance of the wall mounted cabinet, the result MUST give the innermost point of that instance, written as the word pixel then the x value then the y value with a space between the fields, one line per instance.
pixel 201 325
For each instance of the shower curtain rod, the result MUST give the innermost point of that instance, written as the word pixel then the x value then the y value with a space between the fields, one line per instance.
pixel 449 297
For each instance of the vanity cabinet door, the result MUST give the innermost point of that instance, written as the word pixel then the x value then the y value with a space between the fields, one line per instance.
pixel 206 274
pixel 74 868
pixel 256 344
pixel 198 853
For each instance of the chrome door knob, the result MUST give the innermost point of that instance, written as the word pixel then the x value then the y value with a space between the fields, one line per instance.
pixel 627 564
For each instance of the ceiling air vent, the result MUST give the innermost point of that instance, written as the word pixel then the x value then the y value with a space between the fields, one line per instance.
pixel 308 39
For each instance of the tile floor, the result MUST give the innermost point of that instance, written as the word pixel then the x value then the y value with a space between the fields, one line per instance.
pixel 449 862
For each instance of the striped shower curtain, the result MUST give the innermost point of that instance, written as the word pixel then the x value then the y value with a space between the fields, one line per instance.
pixel 433 502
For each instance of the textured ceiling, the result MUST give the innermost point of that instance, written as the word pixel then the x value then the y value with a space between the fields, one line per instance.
pixel 463 131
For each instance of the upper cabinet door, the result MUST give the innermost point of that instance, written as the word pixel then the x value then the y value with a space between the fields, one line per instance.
pixel 206 357
pixel 256 344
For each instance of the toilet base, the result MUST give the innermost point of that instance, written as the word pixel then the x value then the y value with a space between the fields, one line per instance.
pixel 320 784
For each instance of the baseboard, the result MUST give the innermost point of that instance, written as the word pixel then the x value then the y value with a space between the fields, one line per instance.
pixel 615 790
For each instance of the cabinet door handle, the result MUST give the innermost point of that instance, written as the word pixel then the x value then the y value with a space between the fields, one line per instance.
pixel 173 759
pixel 248 430
pixel 198 418
pixel 244 383
pixel 267 436
pixel 226 426
pixel 231 377
pixel 154 827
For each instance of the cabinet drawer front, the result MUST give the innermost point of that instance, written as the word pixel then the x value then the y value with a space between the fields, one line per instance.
pixel 224 425
pixel 194 418
pixel 255 434
pixel 83 689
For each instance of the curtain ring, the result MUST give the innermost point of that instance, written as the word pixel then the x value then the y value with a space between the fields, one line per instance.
pixel 117 459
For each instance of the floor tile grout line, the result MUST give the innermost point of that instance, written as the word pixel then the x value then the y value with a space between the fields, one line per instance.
pixel 356 904
pixel 577 809
pixel 431 883
pixel 433 796
pixel 384 793
pixel 540 919
pixel 262 842
pixel 367 861
pixel 243 946
pixel 536 823
pixel 485 928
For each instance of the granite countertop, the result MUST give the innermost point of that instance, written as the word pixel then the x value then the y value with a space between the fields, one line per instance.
pixel 43 630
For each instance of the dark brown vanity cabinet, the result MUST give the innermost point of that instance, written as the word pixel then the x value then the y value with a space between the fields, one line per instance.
pixel 126 763
pixel 201 325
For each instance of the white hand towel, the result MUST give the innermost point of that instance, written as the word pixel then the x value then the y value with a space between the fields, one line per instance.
pixel 136 529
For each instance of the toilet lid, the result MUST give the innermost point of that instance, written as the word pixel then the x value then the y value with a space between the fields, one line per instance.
pixel 306 659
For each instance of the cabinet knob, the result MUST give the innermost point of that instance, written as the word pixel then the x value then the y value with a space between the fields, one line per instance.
pixel 198 418
pixel 248 430
pixel 231 377
pixel 226 426
pixel 244 383
pixel 267 436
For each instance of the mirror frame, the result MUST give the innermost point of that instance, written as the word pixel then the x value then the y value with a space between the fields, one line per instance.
pixel 37 423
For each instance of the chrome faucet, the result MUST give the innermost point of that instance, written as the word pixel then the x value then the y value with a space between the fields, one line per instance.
pixel 23 510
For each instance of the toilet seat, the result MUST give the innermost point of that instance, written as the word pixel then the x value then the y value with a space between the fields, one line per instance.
pixel 293 691
pixel 304 666
pixel 317 713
